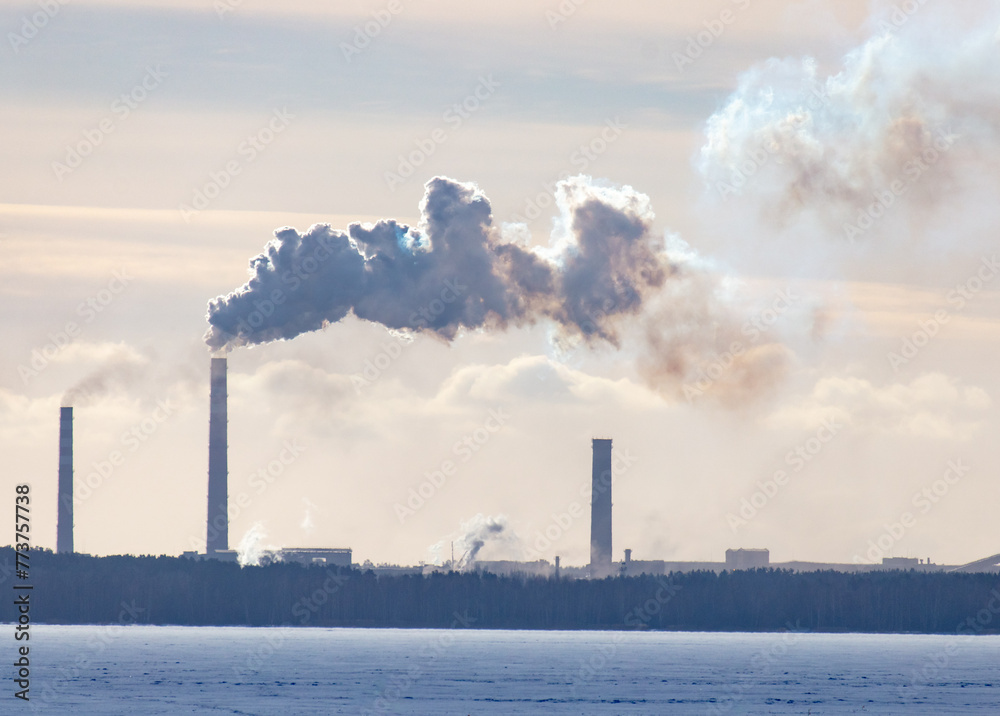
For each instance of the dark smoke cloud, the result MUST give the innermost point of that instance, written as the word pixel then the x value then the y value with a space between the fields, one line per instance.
pixel 455 270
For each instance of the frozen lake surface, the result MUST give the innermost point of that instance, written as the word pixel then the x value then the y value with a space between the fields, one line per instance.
pixel 236 670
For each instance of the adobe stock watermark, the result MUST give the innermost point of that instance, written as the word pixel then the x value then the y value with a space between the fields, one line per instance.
pixel 753 328
pixel 929 328
pixel 248 151
pixel 937 664
pixel 454 116
pixel 580 159
pixel 714 29
pixel 102 637
pixel 762 663
pixel 924 500
pixel 261 481
pixel 294 278
pixel 760 156
pixel 590 324
pixel 914 168
pixel 463 449
pixel 637 618
pixel 88 309
pixel 622 461
pixel 563 12
pixel 47 700
pixel 32 24
pixel 424 317
pixel 900 15
pixel 224 7
pixel 272 642
pixel 84 486
pixel 304 609
pixel 796 459
pixel 365 33
pixel 425 657
pixel 121 108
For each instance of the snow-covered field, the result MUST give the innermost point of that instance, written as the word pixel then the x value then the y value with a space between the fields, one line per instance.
pixel 177 670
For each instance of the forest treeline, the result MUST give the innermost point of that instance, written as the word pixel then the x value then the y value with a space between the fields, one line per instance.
pixel 80 589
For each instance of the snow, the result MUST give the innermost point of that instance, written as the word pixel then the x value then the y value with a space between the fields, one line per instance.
pixel 235 670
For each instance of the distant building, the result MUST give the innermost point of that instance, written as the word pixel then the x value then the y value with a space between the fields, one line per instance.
pixel 308 557
pixel 747 558
pixel 221 555
pixel 391 570
pixel 538 568
pixel 327 557
pixel 635 567
pixel 900 562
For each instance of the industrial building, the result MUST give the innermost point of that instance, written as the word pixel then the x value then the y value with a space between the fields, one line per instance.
pixel 217 525
pixel 601 524
pixel 747 558
pixel 309 557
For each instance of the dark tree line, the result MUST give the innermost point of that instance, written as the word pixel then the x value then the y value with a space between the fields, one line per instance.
pixel 79 589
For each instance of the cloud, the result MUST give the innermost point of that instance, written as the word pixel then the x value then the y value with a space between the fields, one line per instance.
pixel 538 379
pixel 854 146
pixel 932 406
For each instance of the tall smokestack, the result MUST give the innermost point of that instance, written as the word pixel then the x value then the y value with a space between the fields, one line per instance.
pixel 218 462
pixel 600 510
pixel 64 524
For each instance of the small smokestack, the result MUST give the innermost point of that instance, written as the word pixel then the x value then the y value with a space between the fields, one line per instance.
pixel 600 510
pixel 218 462
pixel 557 566
pixel 64 524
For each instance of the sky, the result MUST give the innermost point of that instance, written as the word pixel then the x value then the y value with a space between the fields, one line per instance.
pixel 812 373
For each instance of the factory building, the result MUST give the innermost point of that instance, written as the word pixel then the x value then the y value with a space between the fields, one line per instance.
pixel 601 564
pixel 217 524
pixel 747 558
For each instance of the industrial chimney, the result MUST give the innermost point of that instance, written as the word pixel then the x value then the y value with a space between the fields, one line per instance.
pixel 600 510
pixel 218 462
pixel 64 523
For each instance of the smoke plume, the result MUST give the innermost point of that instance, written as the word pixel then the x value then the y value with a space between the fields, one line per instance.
pixel 121 368
pixel 453 271
pixel 849 146
pixel 456 270
pixel 703 341
pixel 476 534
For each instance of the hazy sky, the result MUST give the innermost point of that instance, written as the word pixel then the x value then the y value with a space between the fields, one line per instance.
pixel 152 148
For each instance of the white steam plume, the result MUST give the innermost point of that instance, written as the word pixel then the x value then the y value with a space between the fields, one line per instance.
pixel 251 549
pixel 865 141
